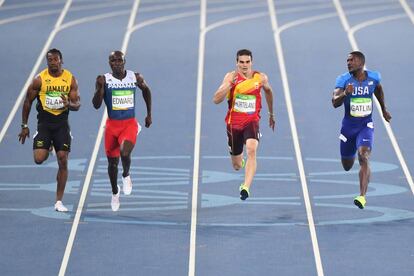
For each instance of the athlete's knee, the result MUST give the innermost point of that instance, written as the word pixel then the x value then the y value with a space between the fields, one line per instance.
pixel 125 153
pixel 62 161
pixel 347 164
pixel 113 163
pixel 363 158
pixel 237 166
pixel 38 160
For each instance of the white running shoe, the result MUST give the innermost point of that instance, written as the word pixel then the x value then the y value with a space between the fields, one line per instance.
pixel 115 200
pixel 127 185
pixel 59 207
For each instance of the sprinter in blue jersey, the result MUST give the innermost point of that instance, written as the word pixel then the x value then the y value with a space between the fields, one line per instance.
pixel 117 90
pixel 355 90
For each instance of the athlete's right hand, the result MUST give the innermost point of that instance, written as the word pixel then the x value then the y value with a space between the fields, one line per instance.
pixel 25 132
pixel 349 89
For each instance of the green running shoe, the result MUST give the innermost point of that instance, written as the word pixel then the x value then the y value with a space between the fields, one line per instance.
pixel 360 201
pixel 244 192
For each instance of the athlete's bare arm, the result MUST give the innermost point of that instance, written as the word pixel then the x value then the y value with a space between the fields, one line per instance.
pixel 99 92
pixel 146 94
pixel 31 94
pixel 340 94
pixel 228 82
pixel 269 99
pixel 379 93
pixel 73 100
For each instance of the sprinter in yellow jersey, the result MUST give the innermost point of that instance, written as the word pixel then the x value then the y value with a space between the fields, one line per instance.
pixel 56 91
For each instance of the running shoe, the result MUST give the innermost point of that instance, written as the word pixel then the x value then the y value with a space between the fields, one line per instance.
pixel 59 207
pixel 244 192
pixel 127 185
pixel 115 200
pixel 360 201
pixel 243 163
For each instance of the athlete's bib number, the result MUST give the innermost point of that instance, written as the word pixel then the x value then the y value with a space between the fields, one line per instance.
pixel 245 103
pixel 53 100
pixel 361 107
pixel 122 99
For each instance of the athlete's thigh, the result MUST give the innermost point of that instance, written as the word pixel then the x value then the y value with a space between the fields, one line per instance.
pixel 112 147
pixel 61 137
pixel 42 138
pixel 130 131
pixel 251 131
pixel 348 145
pixel 365 137
pixel 235 140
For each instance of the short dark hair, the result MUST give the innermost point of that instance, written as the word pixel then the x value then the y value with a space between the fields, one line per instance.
pixel 116 52
pixel 54 51
pixel 359 55
pixel 244 52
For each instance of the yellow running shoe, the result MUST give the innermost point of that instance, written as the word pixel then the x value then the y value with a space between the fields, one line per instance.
pixel 243 163
pixel 360 201
pixel 244 192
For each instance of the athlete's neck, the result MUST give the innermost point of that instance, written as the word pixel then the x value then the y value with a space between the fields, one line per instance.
pixel 55 73
pixel 247 75
pixel 359 75
pixel 119 75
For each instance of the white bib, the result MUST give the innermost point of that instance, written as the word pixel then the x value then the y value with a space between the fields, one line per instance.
pixel 53 100
pixel 245 103
pixel 360 107
pixel 122 99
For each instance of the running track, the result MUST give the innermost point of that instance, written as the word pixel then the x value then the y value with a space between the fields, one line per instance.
pixel 184 216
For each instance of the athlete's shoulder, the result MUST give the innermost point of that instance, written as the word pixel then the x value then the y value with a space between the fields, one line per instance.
pixel 342 79
pixel 374 75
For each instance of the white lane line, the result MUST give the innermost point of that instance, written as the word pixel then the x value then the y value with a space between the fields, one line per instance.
pixel 27 16
pixel 91 166
pixel 375 21
pixel 197 136
pixel 286 89
pixel 408 10
pixel 1 2
pixel 35 69
pixel 390 132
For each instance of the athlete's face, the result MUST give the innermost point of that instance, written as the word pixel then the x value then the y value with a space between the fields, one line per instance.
pixel 117 63
pixel 354 63
pixel 54 63
pixel 244 64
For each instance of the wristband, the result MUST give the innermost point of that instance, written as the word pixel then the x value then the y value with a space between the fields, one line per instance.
pixel 24 125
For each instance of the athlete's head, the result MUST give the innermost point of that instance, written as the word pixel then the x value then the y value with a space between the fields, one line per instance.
pixel 355 61
pixel 117 62
pixel 54 60
pixel 244 60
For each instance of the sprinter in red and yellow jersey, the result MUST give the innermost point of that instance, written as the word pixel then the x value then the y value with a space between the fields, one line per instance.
pixel 242 88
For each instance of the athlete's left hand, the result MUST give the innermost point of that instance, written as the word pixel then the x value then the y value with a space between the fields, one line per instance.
pixel 387 116
pixel 272 122
pixel 65 100
pixel 148 121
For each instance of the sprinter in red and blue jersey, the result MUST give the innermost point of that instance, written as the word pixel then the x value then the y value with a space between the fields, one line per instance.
pixel 355 89
pixel 118 90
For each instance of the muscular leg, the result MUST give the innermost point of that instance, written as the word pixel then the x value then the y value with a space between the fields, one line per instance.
pixel 365 171
pixel 236 161
pixel 113 173
pixel 250 170
pixel 126 149
pixel 40 155
pixel 62 174
pixel 347 163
